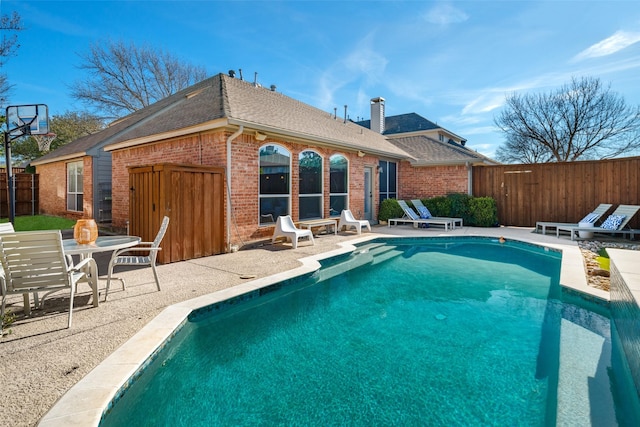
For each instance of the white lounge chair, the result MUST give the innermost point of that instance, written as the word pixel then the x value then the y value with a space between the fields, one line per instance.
pixel 287 229
pixel 34 261
pixel 424 213
pixel 347 220
pixel 614 224
pixel 412 217
pixel 592 217
pixel 147 254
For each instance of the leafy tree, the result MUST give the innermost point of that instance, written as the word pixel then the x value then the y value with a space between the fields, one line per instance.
pixel 124 78
pixel 8 47
pixel 581 120
pixel 67 127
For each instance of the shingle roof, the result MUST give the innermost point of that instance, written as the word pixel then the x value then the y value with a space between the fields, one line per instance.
pixel 403 123
pixel 428 151
pixel 239 102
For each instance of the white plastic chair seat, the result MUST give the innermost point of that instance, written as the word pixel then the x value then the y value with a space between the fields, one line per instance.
pixel 347 220
pixel 132 260
pixel 287 229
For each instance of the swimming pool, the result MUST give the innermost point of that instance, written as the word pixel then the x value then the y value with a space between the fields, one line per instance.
pixel 402 332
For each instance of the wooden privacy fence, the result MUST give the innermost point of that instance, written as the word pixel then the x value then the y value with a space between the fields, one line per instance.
pixel 561 192
pixel 27 194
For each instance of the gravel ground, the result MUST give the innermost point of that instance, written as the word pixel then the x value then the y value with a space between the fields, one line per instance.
pixel 597 276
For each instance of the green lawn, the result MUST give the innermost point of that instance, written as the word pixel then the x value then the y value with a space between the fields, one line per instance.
pixel 41 222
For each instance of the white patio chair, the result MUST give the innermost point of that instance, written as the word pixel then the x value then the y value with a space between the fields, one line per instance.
pixel 286 228
pixel 34 261
pixel 149 251
pixel 347 220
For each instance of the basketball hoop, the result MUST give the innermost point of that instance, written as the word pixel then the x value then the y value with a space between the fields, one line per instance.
pixel 44 141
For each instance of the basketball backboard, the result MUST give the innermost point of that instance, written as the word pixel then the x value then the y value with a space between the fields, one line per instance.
pixel 27 120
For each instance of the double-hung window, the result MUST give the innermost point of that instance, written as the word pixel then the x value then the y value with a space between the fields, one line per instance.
pixel 310 185
pixel 74 186
pixel 388 180
pixel 338 184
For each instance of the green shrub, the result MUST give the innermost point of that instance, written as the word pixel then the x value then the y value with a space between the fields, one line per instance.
pixel 460 207
pixel 438 206
pixel 389 208
pixel 484 212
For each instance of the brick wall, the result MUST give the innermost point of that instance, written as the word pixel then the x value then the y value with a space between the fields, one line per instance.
pixel 424 182
pixel 210 149
pixel 53 189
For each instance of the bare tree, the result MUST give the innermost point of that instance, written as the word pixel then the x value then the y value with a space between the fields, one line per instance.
pixel 67 128
pixel 8 47
pixel 579 121
pixel 125 78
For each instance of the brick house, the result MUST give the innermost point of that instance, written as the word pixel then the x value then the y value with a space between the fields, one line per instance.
pixel 280 156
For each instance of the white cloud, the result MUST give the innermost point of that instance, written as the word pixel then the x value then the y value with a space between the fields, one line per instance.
pixel 363 65
pixel 445 14
pixel 620 40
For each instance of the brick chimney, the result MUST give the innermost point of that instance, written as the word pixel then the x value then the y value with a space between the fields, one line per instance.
pixel 377 115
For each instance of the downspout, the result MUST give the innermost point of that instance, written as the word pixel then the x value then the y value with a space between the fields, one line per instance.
pixel 469 179
pixel 231 138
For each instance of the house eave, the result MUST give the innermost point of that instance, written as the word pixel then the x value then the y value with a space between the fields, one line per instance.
pixel 59 159
pixel 304 138
pixel 203 127
pixel 271 132
pixel 425 163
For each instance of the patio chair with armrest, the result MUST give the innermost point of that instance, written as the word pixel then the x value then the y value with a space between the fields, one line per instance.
pixel 347 220
pixel 425 214
pixel 614 224
pixel 143 254
pixel 34 261
pixel 592 218
pixel 287 229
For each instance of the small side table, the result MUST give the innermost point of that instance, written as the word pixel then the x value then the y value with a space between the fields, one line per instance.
pixel 585 234
pixel 319 223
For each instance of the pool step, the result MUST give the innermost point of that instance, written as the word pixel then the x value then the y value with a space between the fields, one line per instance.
pixel 372 254
pixel 387 255
pixel 380 252
pixel 352 262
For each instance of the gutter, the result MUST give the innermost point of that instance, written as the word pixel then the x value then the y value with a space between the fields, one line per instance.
pixel 59 159
pixel 229 140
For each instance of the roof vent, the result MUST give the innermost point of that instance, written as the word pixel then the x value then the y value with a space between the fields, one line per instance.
pixel 232 73
pixel 273 88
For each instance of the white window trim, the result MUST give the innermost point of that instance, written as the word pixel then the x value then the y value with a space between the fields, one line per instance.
pixel 321 194
pixel 75 165
pixel 288 196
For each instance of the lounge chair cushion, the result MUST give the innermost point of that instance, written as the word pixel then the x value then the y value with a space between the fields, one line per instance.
pixel 613 222
pixel 424 212
pixel 590 218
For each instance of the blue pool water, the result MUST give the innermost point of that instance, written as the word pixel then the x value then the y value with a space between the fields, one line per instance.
pixel 412 332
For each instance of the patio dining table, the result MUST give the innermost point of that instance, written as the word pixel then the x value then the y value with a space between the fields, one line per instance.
pixel 102 244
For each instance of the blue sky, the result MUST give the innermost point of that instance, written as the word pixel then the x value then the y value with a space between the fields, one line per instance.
pixel 452 62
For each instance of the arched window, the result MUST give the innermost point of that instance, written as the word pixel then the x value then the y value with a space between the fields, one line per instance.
pixel 338 184
pixel 310 198
pixel 275 183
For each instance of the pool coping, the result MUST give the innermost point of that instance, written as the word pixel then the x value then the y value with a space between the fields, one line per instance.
pixel 85 403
